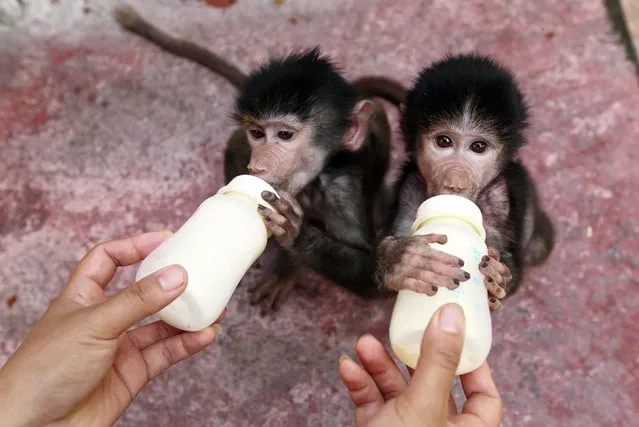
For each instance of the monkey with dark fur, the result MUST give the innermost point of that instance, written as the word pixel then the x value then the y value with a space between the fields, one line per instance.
pixel 463 122
pixel 304 129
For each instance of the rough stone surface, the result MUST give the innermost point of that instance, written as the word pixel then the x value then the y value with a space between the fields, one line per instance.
pixel 103 135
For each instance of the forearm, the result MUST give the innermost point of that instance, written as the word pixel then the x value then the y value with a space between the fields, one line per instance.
pixel 15 402
pixel 349 266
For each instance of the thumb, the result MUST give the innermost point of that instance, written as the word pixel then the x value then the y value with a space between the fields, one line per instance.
pixel 439 356
pixel 139 301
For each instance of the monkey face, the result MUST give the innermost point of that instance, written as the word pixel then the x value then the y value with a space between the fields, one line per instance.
pixel 282 154
pixel 458 161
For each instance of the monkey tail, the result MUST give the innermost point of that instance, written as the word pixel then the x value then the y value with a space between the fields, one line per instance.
pixel 131 20
pixel 382 87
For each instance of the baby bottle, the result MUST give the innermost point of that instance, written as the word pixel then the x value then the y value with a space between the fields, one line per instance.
pixel 460 220
pixel 216 246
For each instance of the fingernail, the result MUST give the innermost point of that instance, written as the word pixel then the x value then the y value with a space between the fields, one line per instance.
pixel 171 278
pixel 455 281
pixel 489 280
pixel 343 357
pixel 492 299
pixel 483 265
pixel 461 263
pixel 485 258
pixel 260 207
pixel 451 319
pixel 434 288
pixel 218 329
pixel 466 274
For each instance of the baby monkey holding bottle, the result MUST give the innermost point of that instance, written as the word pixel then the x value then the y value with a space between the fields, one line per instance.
pixel 463 123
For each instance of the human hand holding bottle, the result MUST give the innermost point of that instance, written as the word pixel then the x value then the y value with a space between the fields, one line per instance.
pixel 382 397
pixel 80 365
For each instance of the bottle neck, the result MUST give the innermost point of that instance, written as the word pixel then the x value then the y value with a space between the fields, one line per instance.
pixel 450 220
pixel 246 198
pixel 240 195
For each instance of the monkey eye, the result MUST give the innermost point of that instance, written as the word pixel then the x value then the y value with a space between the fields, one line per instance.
pixel 285 135
pixel 479 146
pixel 444 141
pixel 256 133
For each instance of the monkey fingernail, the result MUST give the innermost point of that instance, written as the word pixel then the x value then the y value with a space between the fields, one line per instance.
pixel 483 265
pixel 489 280
pixel 455 281
pixel 466 275
pixel 268 196
pixel 485 258
pixel 262 208
pixel 461 263
pixel 434 289
pixel 492 299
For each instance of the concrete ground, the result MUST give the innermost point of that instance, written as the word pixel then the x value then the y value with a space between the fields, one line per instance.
pixel 103 135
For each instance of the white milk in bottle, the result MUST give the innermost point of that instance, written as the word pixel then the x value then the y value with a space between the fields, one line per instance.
pixel 461 221
pixel 216 246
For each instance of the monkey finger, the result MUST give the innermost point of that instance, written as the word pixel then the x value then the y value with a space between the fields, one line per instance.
pixel 279 232
pixel 494 288
pixel 507 276
pixel 493 253
pixel 431 278
pixel 283 293
pixel 297 208
pixel 494 304
pixel 418 286
pixel 285 207
pixel 422 262
pixel 260 290
pixel 434 238
pixel 272 217
pixel 494 265
pixel 436 255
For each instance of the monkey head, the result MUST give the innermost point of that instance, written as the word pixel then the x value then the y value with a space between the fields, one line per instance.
pixel 297 112
pixel 463 121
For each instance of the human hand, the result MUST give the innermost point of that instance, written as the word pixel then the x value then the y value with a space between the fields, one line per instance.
pixel 383 398
pixel 79 365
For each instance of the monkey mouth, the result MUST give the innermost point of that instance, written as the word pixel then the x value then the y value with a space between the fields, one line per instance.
pixel 468 194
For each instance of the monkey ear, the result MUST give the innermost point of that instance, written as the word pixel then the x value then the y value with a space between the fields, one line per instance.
pixel 356 134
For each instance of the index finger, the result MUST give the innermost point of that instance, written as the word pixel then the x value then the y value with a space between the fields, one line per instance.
pixel 99 265
pixel 484 401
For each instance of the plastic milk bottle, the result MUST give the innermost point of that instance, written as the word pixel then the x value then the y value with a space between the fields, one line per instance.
pixel 216 246
pixel 461 221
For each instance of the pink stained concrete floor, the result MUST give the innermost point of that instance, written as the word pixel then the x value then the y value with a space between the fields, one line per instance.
pixel 103 135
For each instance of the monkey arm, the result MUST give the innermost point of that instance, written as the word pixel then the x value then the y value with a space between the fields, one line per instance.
pixel 350 264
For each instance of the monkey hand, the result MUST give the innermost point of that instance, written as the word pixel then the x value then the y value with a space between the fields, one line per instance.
pixel 410 263
pixel 285 222
pixel 497 277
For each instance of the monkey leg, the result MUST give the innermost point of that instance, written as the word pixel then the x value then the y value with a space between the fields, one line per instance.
pixel 497 278
pixel 275 290
pixel 237 155
pixel 542 241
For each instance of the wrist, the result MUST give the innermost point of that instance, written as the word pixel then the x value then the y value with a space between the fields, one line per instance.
pixel 14 414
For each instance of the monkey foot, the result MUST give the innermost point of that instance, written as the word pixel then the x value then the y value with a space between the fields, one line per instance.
pixel 497 277
pixel 273 292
